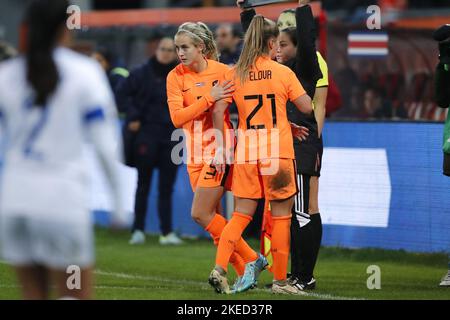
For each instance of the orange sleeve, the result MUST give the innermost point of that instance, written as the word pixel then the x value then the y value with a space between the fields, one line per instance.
pixel 295 88
pixel 228 75
pixel 179 114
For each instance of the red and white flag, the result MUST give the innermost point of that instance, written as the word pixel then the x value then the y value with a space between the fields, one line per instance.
pixel 368 44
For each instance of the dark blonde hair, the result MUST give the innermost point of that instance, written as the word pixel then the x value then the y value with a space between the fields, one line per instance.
pixel 200 33
pixel 256 40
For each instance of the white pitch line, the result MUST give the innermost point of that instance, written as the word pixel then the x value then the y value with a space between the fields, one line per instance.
pixel 149 278
pixel 96 287
pixel 203 285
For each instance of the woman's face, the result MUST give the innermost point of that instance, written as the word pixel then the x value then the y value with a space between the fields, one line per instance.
pixel 371 102
pixel 187 51
pixel 165 54
pixel 286 20
pixel 272 45
pixel 285 48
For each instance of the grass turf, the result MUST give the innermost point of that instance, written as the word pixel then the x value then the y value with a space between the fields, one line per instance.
pixel 152 271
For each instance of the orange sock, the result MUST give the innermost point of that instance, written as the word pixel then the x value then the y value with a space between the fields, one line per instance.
pixel 231 240
pixel 215 228
pixel 245 251
pixel 238 264
pixel 281 238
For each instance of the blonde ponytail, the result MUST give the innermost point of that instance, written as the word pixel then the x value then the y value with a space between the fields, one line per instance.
pixel 256 39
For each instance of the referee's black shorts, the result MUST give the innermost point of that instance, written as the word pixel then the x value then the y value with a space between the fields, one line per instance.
pixel 308 156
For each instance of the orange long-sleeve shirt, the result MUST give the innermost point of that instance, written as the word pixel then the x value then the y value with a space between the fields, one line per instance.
pixel 190 102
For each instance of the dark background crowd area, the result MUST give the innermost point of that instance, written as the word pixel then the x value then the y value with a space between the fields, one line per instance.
pixel 398 86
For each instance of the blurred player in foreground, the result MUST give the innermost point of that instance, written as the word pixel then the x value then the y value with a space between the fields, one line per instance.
pixel 50 100
pixel 6 51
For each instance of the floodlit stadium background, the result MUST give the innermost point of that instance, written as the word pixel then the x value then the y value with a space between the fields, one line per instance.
pixel 382 184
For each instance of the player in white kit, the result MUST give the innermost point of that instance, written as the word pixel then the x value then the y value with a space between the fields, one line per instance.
pixel 51 101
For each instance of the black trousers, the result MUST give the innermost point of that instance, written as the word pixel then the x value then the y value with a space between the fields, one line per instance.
pixel 150 153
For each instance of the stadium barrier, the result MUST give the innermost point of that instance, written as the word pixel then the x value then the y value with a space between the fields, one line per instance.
pixel 177 16
pixel 381 186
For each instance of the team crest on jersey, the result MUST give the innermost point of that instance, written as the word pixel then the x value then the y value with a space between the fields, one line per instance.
pixel 200 84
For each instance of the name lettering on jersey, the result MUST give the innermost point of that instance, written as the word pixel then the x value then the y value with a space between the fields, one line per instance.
pixel 260 75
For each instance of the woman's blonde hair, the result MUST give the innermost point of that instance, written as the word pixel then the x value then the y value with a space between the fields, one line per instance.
pixel 256 40
pixel 200 33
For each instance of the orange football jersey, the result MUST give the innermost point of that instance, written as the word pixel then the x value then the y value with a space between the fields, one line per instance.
pixel 264 129
pixel 190 106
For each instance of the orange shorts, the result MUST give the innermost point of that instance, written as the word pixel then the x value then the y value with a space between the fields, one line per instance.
pixel 206 176
pixel 273 179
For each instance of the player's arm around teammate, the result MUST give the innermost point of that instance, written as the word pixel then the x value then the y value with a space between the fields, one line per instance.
pixel 193 87
pixel 181 114
pixel 189 100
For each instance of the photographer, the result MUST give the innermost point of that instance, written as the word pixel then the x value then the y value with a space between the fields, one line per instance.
pixel 442 96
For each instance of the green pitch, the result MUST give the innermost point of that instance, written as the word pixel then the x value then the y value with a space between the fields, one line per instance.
pixel 152 271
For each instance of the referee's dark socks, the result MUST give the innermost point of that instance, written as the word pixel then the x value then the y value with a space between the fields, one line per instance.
pixel 306 240
pixel 305 247
pixel 316 226
pixel 301 240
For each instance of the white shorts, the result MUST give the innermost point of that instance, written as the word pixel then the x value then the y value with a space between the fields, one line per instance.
pixel 28 241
